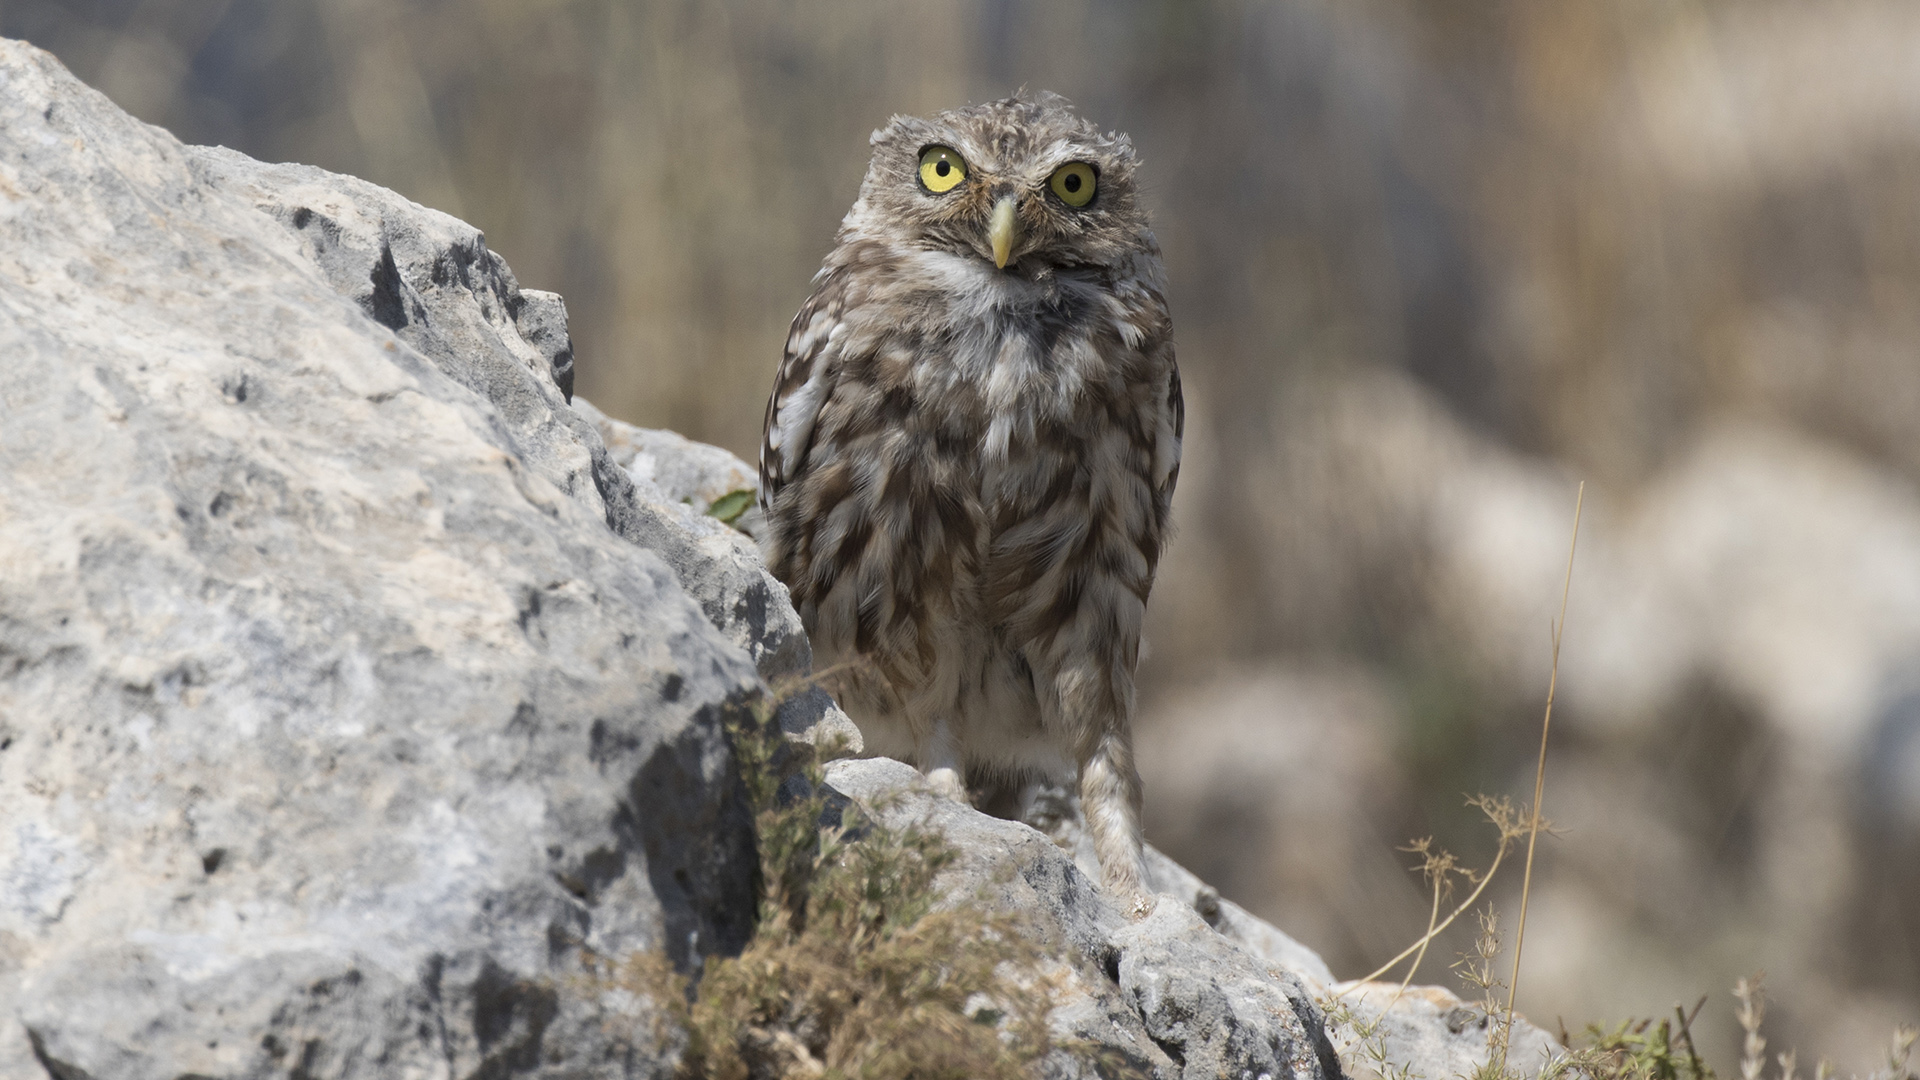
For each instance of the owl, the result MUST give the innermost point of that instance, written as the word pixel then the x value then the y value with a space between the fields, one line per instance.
pixel 970 455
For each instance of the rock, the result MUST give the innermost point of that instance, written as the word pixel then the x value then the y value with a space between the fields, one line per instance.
pixel 1214 1007
pixel 1166 993
pixel 1430 1031
pixel 431 280
pixel 677 481
pixel 1059 816
pixel 683 471
pixel 667 473
pixel 334 716
pixel 1260 939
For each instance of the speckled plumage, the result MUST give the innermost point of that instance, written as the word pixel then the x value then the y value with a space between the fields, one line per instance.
pixel 968 470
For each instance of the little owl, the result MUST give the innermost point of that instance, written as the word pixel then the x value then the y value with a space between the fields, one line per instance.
pixel 970 454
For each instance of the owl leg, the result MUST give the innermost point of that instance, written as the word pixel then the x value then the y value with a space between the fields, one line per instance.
pixel 1091 706
pixel 1110 800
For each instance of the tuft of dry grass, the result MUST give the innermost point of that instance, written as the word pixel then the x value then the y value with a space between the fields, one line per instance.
pixel 856 969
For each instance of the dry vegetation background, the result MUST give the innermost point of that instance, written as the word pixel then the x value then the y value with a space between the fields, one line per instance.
pixel 1432 263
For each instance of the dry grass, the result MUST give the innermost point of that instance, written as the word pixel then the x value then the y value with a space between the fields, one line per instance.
pixel 857 968
pixel 1540 775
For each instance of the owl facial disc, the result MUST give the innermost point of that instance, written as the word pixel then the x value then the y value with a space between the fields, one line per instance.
pixel 1002 230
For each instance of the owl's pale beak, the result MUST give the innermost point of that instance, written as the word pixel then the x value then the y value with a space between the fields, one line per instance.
pixel 1002 229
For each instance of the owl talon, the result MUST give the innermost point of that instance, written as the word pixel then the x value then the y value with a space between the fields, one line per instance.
pixel 948 782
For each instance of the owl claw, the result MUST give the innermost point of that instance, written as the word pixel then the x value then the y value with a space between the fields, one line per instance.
pixel 949 783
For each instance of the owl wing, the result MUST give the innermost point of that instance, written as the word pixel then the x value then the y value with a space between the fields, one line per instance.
pixel 801 385
pixel 1170 427
pixel 1161 420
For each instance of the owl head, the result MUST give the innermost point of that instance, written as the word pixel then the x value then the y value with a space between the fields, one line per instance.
pixel 1022 183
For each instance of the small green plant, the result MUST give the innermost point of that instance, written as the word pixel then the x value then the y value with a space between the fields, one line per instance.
pixel 1637 1050
pixel 730 506
pixel 1646 1050
pixel 857 969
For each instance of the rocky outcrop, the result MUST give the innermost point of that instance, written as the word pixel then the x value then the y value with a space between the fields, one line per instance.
pixel 356 689
pixel 336 716
pixel 1164 992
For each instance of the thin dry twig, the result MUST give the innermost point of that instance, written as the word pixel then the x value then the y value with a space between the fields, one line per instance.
pixel 1540 771
pixel 1685 1021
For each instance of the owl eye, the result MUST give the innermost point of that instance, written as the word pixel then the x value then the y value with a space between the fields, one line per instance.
pixel 941 169
pixel 1073 182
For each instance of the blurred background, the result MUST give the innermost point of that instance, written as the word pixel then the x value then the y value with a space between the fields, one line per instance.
pixel 1432 265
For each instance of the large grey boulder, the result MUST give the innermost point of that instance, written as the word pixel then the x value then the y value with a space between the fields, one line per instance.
pixel 337 717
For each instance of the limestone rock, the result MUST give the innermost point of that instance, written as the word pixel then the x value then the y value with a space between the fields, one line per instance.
pixel 430 279
pixel 1431 1032
pixel 1059 816
pixel 689 473
pixel 676 482
pixel 334 717
pixel 1195 986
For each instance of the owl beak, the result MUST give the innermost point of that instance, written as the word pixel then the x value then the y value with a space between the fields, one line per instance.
pixel 1002 230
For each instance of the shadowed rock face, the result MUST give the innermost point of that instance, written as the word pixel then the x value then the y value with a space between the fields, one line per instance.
pixel 336 714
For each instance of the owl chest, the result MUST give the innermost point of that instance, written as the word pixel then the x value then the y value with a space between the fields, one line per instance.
pixel 1000 440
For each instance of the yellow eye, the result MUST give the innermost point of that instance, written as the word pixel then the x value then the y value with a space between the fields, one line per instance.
pixel 941 169
pixel 1073 182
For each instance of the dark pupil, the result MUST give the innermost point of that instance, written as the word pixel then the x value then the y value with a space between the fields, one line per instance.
pixel 1072 182
pixel 941 168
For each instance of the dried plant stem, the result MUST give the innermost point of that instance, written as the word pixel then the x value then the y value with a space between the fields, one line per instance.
pixel 1435 931
pixel 1439 884
pixel 1540 771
